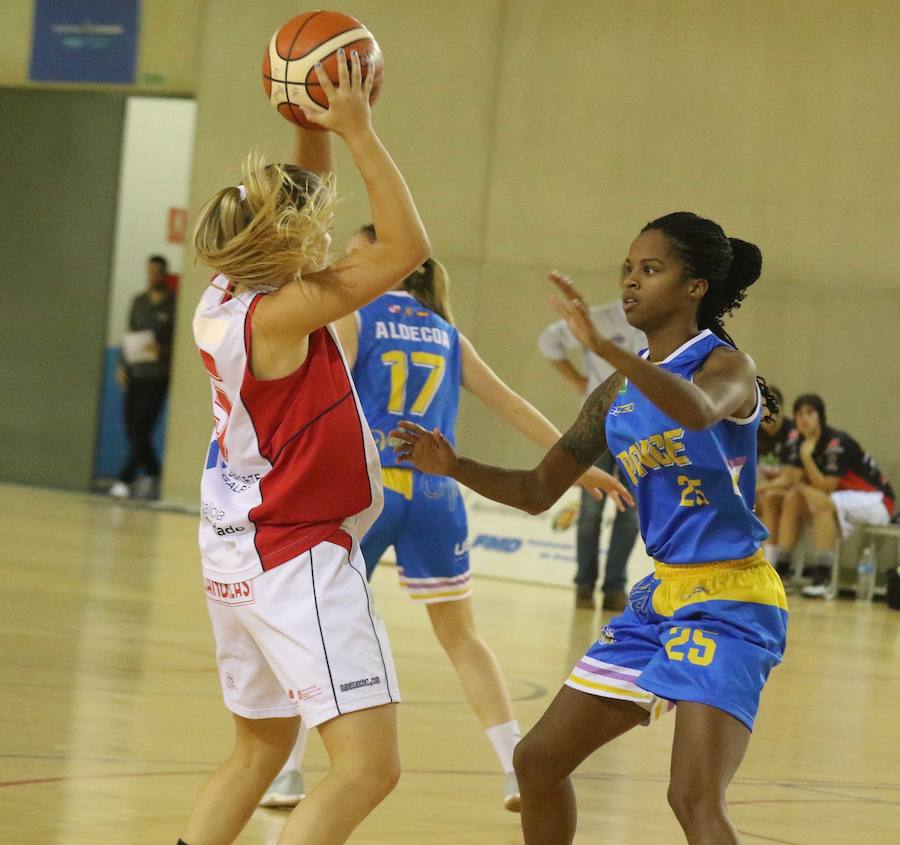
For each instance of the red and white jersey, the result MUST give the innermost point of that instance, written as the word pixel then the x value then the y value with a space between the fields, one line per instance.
pixel 291 461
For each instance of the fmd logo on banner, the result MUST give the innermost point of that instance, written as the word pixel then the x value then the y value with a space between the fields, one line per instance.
pixel 84 41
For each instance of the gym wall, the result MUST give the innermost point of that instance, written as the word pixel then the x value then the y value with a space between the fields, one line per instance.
pixel 167 46
pixel 62 145
pixel 60 174
pixel 541 135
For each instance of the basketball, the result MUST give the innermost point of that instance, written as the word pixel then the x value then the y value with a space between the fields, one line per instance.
pixel 289 63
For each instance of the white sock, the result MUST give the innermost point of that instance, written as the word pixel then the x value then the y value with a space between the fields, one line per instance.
pixel 770 550
pixel 295 758
pixel 504 738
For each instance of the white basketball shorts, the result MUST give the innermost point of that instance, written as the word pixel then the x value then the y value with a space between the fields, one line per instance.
pixel 303 639
pixel 859 507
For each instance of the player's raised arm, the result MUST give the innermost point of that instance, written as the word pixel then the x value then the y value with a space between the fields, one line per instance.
pixel 532 490
pixel 518 412
pixel 402 244
pixel 724 386
pixel 312 151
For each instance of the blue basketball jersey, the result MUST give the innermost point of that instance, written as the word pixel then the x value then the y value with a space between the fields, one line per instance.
pixel 695 489
pixel 408 366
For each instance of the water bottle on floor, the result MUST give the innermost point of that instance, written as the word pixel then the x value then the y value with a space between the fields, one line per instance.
pixel 865 575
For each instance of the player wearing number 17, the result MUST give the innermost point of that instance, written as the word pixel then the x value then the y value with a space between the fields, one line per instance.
pixel 705 629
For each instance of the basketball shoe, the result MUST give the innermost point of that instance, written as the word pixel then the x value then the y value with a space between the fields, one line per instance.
pixel 287 790
pixel 511 787
pixel 119 490
pixel 584 598
pixel 615 601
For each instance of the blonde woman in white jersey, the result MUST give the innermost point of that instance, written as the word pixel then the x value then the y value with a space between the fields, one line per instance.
pixel 292 481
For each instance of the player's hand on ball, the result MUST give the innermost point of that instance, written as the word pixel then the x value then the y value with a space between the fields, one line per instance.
pixel 348 111
pixel 574 309
pixel 426 450
pixel 597 482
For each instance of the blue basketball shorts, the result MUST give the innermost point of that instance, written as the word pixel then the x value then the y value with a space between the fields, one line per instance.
pixel 708 633
pixel 424 519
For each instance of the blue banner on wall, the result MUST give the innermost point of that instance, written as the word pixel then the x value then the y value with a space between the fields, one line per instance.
pixel 85 41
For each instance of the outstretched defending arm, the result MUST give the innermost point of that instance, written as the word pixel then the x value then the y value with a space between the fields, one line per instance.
pixel 532 490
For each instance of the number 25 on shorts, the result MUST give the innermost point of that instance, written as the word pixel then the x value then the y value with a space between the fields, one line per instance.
pixel 702 651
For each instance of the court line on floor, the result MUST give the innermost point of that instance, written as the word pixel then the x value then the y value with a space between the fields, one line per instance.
pixel 119 760
pixel 818 790
pixel 131 775
pixel 749 781
pixel 120 775
pixel 620 778
pixel 768 838
pixel 534 691
pixel 859 800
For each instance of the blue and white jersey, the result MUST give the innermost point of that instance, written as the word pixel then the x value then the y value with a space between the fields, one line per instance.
pixel 695 489
pixel 408 366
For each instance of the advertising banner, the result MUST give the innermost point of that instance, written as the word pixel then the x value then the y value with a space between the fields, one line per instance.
pixel 84 41
pixel 508 543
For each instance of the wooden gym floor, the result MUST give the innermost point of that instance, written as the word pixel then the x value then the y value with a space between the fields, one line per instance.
pixel 112 718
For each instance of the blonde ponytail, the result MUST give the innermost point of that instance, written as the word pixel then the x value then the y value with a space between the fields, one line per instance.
pixel 272 231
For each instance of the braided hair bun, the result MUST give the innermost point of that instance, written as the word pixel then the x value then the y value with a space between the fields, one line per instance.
pixel 730 265
pixel 746 264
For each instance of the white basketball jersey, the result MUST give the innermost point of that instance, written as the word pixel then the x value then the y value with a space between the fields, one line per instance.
pixel 291 461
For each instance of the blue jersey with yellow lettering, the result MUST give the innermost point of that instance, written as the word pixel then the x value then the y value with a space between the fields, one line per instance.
pixel 695 489
pixel 408 367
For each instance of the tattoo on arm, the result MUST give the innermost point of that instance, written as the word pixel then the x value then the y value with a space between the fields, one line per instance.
pixel 586 439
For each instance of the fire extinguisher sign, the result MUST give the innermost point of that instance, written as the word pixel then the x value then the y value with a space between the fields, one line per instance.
pixel 177 225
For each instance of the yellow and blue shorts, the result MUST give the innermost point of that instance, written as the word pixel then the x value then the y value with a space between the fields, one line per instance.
pixel 424 519
pixel 708 632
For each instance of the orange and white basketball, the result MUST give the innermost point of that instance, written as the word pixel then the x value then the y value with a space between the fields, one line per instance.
pixel 289 75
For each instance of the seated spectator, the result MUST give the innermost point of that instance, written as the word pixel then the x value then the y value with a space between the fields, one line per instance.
pixel 771 453
pixel 772 436
pixel 831 483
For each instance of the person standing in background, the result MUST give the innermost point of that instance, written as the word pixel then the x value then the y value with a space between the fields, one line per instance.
pixel 555 344
pixel 143 372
